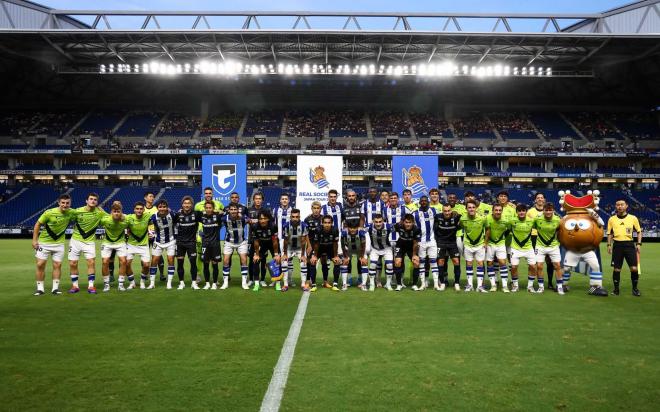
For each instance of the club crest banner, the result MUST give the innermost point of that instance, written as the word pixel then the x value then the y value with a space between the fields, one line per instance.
pixel 225 174
pixel 419 174
pixel 316 176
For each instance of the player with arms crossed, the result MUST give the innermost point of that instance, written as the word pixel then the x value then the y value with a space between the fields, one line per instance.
pixel 83 241
pixel 49 243
pixel 295 245
pixel 114 243
pixel 498 227
pixel 407 244
pixel 378 238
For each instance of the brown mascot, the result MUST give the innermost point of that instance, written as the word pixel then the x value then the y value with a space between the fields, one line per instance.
pixel 580 233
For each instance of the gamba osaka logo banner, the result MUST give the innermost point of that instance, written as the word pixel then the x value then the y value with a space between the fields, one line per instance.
pixel 225 174
pixel 418 174
pixel 316 175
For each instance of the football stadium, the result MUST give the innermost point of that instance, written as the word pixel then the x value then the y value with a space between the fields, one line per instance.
pixel 329 210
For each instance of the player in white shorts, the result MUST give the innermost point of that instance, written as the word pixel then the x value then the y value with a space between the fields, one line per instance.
pixel 378 236
pixel 83 242
pixel 164 242
pixel 237 228
pixel 521 247
pixel 295 243
pixel 428 248
pixel 114 243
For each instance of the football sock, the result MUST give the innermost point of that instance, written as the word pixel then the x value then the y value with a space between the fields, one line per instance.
pixel 457 273
pixel 530 281
pixel 504 275
pixel 468 272
pixel 74 280
pixel 152 273
pixel 480 276
pixel 398 272
pixel 596 279
pixel 415 274
pixel 491 274
pixel 344 274
pixel 244 273
pixel 170 273
pixel 206 271
pixel 106 280
pixel 90 280
pixel 634 277
pixel 551 273
pixel 180 271
pixel 541 281
pixel 56 284
pixel 616 278
pixel 40 285
pixel 216 273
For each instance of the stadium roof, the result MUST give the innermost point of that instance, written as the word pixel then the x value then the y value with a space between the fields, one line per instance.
pixel 83 38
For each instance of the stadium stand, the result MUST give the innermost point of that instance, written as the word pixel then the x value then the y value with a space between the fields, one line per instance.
pixel 385 124
pixel 637 126
pixel 305 124
pixel 178 125
pixel 347 124
pixel 552 125
pixel 512 125
pixel 593 126
pixel 427 125
pixel 56 124
pixel 266 123
pixel 473 126
pixel 225 124
pixel 139 124
pixel 99 123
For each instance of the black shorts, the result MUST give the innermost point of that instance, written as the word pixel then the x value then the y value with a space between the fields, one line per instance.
pixel 621 251
pixel 448 250
pixel 264 248
pixel 327 251
pixel 211 252
pixel 186 248
pixel 401 252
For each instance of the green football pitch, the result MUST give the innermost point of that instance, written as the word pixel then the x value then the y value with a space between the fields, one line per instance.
pixel 203 350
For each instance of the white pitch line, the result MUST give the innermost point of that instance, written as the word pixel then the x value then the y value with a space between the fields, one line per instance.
pixel 273 397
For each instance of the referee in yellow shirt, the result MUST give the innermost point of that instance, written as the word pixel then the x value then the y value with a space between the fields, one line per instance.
pixel 620 245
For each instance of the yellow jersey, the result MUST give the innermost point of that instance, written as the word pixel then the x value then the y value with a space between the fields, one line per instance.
pixel 621 228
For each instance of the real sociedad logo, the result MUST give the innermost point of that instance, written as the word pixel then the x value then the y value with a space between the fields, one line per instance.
pixel 317 177
pixel 224 178
pixel 413 181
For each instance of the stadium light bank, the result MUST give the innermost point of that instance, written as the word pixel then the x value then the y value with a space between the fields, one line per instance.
pixel 232 68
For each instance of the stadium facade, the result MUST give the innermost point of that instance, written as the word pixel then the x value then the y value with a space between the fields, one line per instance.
pixel 127 98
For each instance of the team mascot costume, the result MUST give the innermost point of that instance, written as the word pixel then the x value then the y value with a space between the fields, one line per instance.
pixel 580 233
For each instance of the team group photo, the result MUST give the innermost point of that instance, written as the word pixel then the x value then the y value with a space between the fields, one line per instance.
pixel 416 205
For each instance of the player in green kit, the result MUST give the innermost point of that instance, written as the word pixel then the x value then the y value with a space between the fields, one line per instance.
pixel 199 207
pixel 521 247
pixel 114 244
pixel 474 245
pixel 83 241
pixel 498 227
pixel 149 210
pixel 50 242
pixel 137 244
pixel 434 200
pixel 547 245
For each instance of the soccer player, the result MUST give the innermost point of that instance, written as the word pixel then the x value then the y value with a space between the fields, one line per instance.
pixel 498 228
pixel 452 199
pixel 282 216
pixel 508 213
pixel 335 210
pixel 521 247
pixel 114 243
pixel 378 239
pixel 83 241
pixel 137 244
pixel 428 249
pixel 326 247
pixel 385 197
pixel 236 239
pixel 434 200
pixel 164 242
pixel 264 238
pixel 474 246
pixel 533 213
pixel 393 214
pixel 408 202
pixel 253 212
pixel 483 209
pixel 313 223
pixel 235 199
pixel 547 245
pixel 295 245
pixel 186 241
pixel 352 217
pixel 211 222
pixel 49 243
pixel 151 209
pixel 372 206
pixel 354 244
pixel 445 226
pixel 620 244
pixel 407 244
pixel 199 207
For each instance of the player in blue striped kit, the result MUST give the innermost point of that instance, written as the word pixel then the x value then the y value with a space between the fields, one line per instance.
pixel 424 219
pixel 372 206
pixel 295 244
pixel 393 214
pixel 282 216
pixel 236 239
pixel 163 224
pixel 378 240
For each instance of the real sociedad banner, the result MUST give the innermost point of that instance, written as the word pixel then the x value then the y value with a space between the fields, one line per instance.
pixel 225 174
pixel 316 176
pixel 417 173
